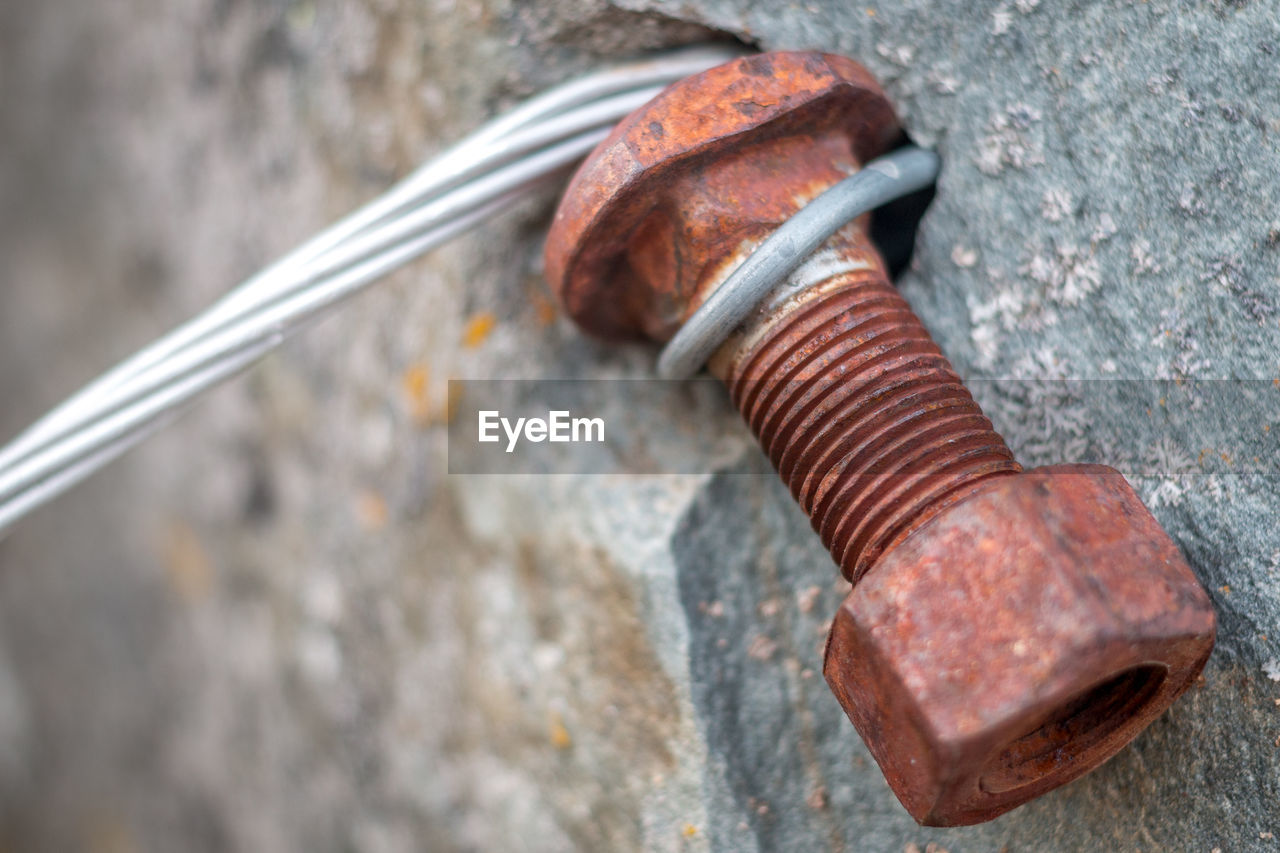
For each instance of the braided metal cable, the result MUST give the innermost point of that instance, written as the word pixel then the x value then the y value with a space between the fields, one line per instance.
pixel 509 157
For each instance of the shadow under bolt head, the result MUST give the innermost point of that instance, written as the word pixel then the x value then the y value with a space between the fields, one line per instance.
pixel 1006 631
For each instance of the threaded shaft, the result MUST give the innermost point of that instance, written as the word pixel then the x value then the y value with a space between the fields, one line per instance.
pixel 863 416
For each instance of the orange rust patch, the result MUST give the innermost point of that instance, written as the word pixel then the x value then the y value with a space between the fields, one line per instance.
pixel 415 384
pixel 558 734
pixel 478 329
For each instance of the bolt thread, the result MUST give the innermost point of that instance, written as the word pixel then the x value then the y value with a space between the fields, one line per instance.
pixel 863 417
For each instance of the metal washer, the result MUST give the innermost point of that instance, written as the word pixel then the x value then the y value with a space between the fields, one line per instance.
pixel 883 180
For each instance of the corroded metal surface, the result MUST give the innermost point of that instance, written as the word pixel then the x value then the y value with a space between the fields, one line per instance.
pixel 861 413
pixel 1007 631
pixel 1017 642
pixel 716 160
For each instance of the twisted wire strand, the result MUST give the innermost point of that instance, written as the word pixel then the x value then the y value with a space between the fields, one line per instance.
pixel 508 158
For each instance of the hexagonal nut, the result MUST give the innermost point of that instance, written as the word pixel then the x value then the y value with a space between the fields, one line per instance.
pixel 1017 641
pixel 695 125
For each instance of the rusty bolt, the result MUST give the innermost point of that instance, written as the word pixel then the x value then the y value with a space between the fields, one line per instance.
pixel 1006 631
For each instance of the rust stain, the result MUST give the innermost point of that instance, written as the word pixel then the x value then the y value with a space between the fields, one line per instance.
pixel 478 329
pixel 371 511
pixel 187 563
pixel 544 309
pixel 557 734
pixel 426 406
pixel 415 385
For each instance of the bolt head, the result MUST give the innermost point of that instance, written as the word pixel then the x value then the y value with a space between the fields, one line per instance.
pixel 1017 641
pixel 681 182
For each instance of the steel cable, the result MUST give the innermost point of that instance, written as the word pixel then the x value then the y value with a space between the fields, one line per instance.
pixel 505 160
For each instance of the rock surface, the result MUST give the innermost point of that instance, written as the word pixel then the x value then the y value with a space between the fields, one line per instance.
pixel 281 625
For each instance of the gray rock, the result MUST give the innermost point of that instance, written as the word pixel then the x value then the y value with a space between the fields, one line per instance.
pixel 281 625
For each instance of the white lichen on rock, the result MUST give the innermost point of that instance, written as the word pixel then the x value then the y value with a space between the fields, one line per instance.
pixel 1057 204
pixel 1010 140
pixel 1271 669
pixel 1105 229
pixel 1067 273
pixel 1001 21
